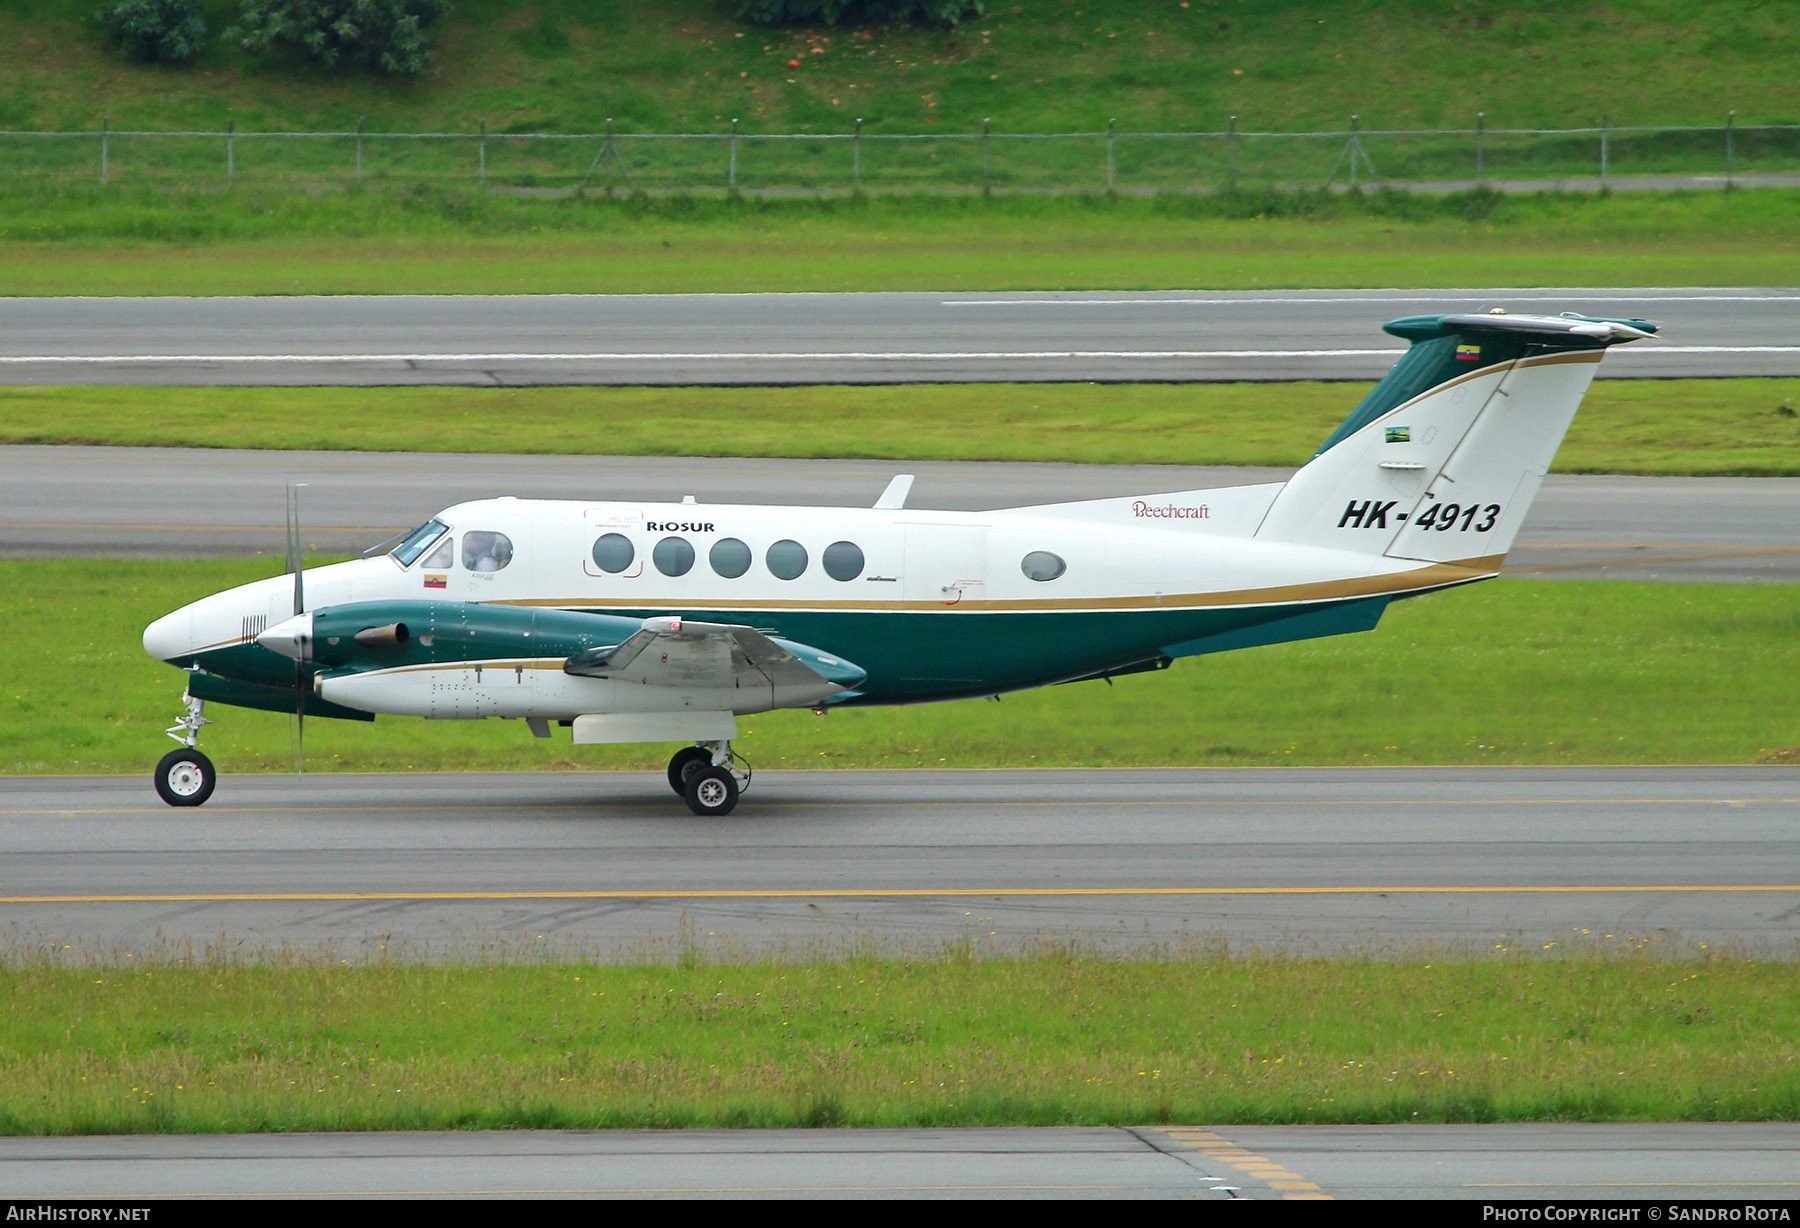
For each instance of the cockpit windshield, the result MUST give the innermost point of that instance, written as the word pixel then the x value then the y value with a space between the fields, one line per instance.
pixel 418 541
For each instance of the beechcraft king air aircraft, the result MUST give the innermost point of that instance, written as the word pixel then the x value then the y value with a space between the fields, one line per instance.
pixel 632 622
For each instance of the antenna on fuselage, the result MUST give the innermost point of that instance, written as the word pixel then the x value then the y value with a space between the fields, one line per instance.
pixel 894 497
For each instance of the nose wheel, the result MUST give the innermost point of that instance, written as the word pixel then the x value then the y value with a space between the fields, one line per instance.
pixel 185 777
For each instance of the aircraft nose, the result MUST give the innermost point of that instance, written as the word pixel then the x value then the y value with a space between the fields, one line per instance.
pixel 171 636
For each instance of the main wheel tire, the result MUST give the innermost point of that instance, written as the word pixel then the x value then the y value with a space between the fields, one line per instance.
pixel 185 777
pixel 711 792
pixel 687 761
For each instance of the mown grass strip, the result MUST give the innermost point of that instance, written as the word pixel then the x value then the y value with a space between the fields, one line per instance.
pixel 464 241
pixel 1622 1029
pixel 1514 671
pixel 1696 427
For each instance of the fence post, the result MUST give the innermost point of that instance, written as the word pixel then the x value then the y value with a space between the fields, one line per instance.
pixel 731 173
pixel 1355 144
pixel 1109 153
pixel 482 155
pixel 856 157
pixel 987 126
pixel 1730 120
pixel 1231 143
pixel 230 152
pixel 105 128
pixel 1480 132
pixel 1603 150
pixel 360 121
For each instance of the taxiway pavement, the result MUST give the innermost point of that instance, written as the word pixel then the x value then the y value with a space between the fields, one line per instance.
pixel 836 338
pixel 176 502
pixel 1678 1165
pixel 1373 861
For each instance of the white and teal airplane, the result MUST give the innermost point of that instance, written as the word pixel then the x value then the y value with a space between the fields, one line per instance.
pixel 640 622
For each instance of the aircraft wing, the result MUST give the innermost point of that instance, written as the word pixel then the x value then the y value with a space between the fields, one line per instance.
pixel 683 654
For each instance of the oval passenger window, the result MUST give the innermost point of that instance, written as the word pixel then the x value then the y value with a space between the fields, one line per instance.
pixel 614 553
pixel 786 559
pixel 843 560
pixel 673 556
pixel 730 557
pixel 1042 565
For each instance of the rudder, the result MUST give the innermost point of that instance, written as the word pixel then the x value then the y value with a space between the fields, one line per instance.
pixel 1441 460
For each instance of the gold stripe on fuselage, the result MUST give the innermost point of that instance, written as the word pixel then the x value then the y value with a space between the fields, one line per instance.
pixel 1435 575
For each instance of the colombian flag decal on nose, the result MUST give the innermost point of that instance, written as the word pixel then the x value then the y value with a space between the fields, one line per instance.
pixel 436 581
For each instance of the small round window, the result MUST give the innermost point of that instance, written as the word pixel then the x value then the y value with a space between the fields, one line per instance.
pixel 786 559
pixel 1042 565
pixel 730 557
pixel 614 553
pixel 673 556
pixel 843 560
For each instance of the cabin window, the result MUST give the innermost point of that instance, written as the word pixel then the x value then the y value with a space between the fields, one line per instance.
pixel 417 541
pixel 786 559
pixel 614 553
pixel 673 556
pixel 442 557
pixel 730 557
pixel 1042 565
pixel 485 550
pixel 843 560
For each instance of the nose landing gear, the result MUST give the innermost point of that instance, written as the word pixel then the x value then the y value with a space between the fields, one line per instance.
pixel 185 777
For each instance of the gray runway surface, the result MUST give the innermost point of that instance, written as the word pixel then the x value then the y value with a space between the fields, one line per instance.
pixel 71 501
pixel 836 338
pixel 1374 861
pixel 1686 1163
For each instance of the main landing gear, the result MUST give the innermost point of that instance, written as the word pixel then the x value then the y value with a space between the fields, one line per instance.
pixel 705 776
pixel 185 777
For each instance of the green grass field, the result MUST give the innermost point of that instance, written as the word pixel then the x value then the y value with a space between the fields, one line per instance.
pixel 1046 65
pixel 1742 427
pixel 1518 672
pixel 1617 1031
pixel 430 240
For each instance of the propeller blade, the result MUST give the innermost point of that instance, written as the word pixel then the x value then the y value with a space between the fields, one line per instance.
pixel 300 680
pixel 299 719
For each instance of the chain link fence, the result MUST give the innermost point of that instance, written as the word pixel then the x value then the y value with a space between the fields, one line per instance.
pixel 855 160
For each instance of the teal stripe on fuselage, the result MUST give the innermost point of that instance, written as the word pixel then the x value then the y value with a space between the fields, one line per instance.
pixel 910 657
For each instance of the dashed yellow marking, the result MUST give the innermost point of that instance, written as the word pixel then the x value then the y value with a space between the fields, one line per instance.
pixel 1272 1173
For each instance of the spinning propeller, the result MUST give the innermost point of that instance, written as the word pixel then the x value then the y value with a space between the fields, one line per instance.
pixel 294 569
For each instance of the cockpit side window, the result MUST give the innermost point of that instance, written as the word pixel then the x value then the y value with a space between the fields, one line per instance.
pixel 443 556
pixel 484 550
pixel 418 540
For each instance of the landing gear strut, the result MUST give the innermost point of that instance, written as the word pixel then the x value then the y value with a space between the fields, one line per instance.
pixel 185 777
pixel 706 776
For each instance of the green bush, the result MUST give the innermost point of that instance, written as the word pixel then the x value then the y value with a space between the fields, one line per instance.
pixel 857 12
pixel 390 36
pixel 155 29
